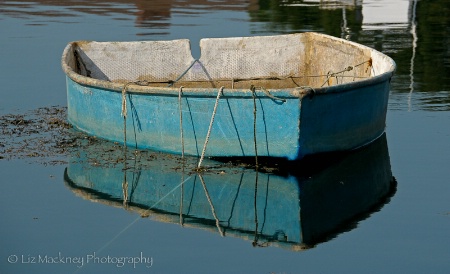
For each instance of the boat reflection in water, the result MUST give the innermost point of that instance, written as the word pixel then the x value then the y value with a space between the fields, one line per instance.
pixel 296 209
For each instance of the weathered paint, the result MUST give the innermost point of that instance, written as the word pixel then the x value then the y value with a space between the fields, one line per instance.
pixel 311 120
pixel 154 122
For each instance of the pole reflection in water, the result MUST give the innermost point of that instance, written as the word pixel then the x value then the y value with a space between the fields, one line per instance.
pixel 311 202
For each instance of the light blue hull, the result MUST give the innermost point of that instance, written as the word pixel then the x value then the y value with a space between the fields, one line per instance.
pixel 338 120
pixel 153 121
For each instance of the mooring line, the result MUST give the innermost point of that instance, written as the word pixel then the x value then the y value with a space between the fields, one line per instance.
pixel 210 127
pixel 138 218
pixel 211 205
pixel 252 88
pixel 124 115
pixel 180 91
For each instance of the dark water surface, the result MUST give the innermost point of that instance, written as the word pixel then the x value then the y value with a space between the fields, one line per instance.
pixel 383 209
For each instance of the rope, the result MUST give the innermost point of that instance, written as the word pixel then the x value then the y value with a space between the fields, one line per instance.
pixel 271 96
pixel 256 210
pixel 236 80
pixel 210 127
pixel 256 160
pixel 253 89
pixel 180 91
pixel 171 83
pixel 124 99
pixel 233 81
pixel 125 191
pixel 334 74
pixel 181 121
pixel 254 128
pixel 124 115
pixel 349 68
pixel 211 205
pixel 182 196
pixel 124 105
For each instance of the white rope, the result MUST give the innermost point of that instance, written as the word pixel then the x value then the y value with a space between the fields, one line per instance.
pixel 139 218
pixel 124 115
pixel 210 127
pixel 181 121
pixel 124 99
pixel 125 191
pixel 182 198
pixel 212 206
pixel 252 88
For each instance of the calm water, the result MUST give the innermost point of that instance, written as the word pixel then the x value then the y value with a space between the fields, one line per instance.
pixel 54 215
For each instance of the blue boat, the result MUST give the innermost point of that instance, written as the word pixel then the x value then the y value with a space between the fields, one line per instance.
pixel 294 210
pixel 282 96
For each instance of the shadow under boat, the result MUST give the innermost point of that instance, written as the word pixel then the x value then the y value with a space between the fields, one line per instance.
pixel 310 202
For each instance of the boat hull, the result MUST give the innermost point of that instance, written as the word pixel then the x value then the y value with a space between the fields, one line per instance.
pixel 333 121
pixel 153 122
pixel 298 121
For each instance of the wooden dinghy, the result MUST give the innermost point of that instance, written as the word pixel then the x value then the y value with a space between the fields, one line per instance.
pixel 279 96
